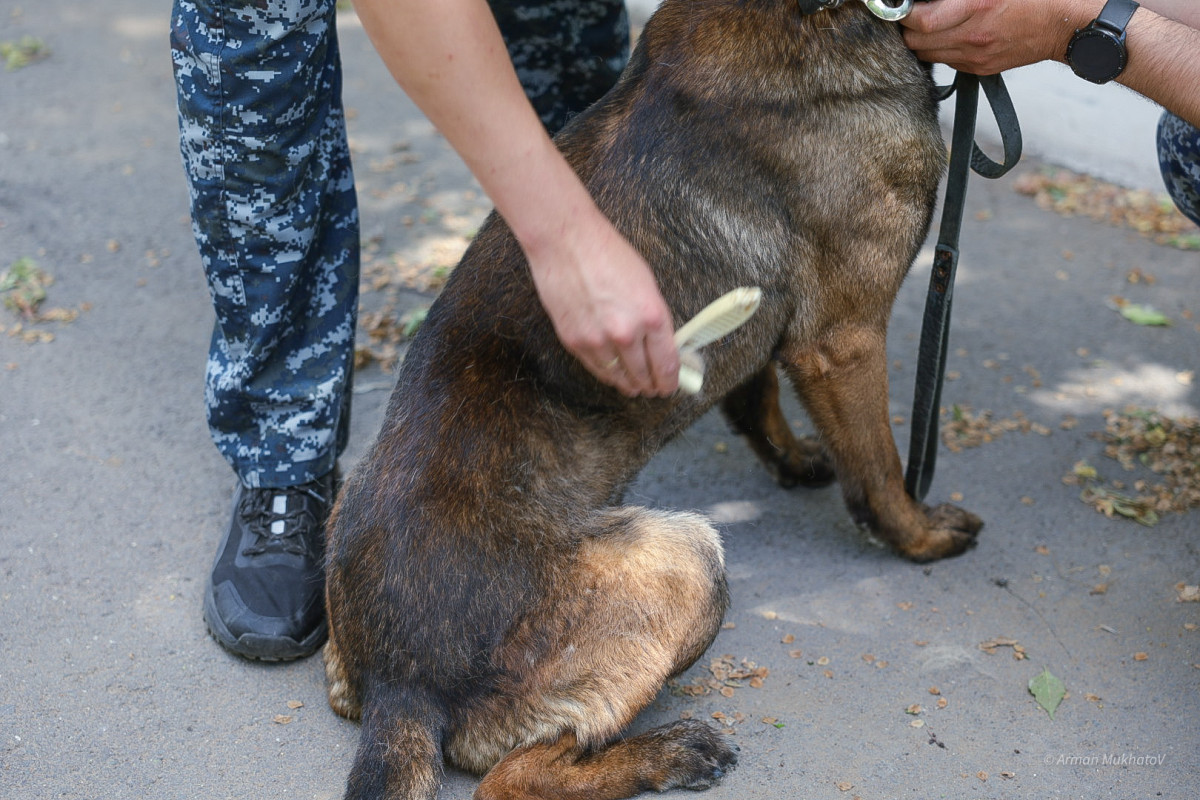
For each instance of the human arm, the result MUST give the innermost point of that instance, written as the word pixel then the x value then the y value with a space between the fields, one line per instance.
pixel 989 36
pixel 600 294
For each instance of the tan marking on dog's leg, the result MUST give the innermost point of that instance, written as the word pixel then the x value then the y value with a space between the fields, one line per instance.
pixel 753 411
pixel 642 601
pixel 843 383
pixel 343 698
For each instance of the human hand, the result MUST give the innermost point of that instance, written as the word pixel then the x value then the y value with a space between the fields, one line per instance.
pixel 606 307
pixel 985 37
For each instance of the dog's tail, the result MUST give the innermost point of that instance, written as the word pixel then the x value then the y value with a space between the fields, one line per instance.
pixel 400 747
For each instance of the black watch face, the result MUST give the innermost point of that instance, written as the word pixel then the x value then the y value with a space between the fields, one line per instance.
pixel 1097 56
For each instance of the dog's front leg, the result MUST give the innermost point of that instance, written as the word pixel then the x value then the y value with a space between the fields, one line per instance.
pixel 842 380
pixel 753 411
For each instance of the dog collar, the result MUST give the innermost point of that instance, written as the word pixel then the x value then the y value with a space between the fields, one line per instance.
pixel 890 10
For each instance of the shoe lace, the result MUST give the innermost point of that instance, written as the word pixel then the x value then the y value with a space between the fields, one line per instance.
pixel 258 510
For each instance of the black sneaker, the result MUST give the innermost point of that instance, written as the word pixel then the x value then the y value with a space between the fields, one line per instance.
pixel 266 595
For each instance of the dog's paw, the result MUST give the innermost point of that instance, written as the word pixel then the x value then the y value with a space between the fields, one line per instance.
pixel 695 756
pixel 807 464
pixel 952 531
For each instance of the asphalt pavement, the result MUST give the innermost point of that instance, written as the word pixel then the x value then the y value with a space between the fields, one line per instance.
pixel 883 679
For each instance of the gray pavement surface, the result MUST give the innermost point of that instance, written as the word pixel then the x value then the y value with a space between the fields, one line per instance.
pixel 112 498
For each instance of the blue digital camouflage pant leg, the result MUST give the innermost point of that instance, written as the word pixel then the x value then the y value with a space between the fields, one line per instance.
pixel 1179 159
pixel 274 215
pixel 567 53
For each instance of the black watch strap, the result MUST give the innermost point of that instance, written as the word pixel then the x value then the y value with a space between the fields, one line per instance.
pixel 1116 15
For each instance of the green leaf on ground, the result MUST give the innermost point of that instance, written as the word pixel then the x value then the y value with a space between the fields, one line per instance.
pixel 23 52
pixel 1048 690
pixel 1109 502
pixel 24 287
pixel 1144 315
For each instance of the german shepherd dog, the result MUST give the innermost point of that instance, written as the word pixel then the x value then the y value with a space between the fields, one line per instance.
pixel 491 602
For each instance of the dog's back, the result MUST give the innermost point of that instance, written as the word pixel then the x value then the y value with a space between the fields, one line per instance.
pixel 475 555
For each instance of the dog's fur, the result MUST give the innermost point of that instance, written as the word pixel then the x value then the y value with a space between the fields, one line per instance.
pixel 490 601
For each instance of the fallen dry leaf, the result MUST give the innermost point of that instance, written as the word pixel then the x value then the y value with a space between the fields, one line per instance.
pixel 966 429
pixel 1141 439
pixel 1187 593
pixel 990 645
pixel 1072 194
pixel 727 675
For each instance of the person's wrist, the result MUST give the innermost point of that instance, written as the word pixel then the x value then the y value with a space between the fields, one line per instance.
pixel 1070 16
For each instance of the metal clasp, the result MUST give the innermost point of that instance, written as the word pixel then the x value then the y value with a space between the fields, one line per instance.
pixel 885 10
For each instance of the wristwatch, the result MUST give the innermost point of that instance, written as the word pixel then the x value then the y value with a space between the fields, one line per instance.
pixel 1097 53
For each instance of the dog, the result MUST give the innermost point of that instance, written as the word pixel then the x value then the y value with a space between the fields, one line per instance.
pixel 491 602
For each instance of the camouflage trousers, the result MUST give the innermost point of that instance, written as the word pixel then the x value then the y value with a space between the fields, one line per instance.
pixel 274 213
pixel 567 53
pixel 1179 160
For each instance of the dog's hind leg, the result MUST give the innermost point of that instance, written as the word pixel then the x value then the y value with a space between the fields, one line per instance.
pixel 842 381
pixel 753 411
pixel 686 754
pixel 641 599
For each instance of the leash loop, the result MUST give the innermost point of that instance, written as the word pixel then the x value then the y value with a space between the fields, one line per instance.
pixel 1010 129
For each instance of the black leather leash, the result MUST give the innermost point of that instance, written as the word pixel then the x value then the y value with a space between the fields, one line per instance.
pixel 965 156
